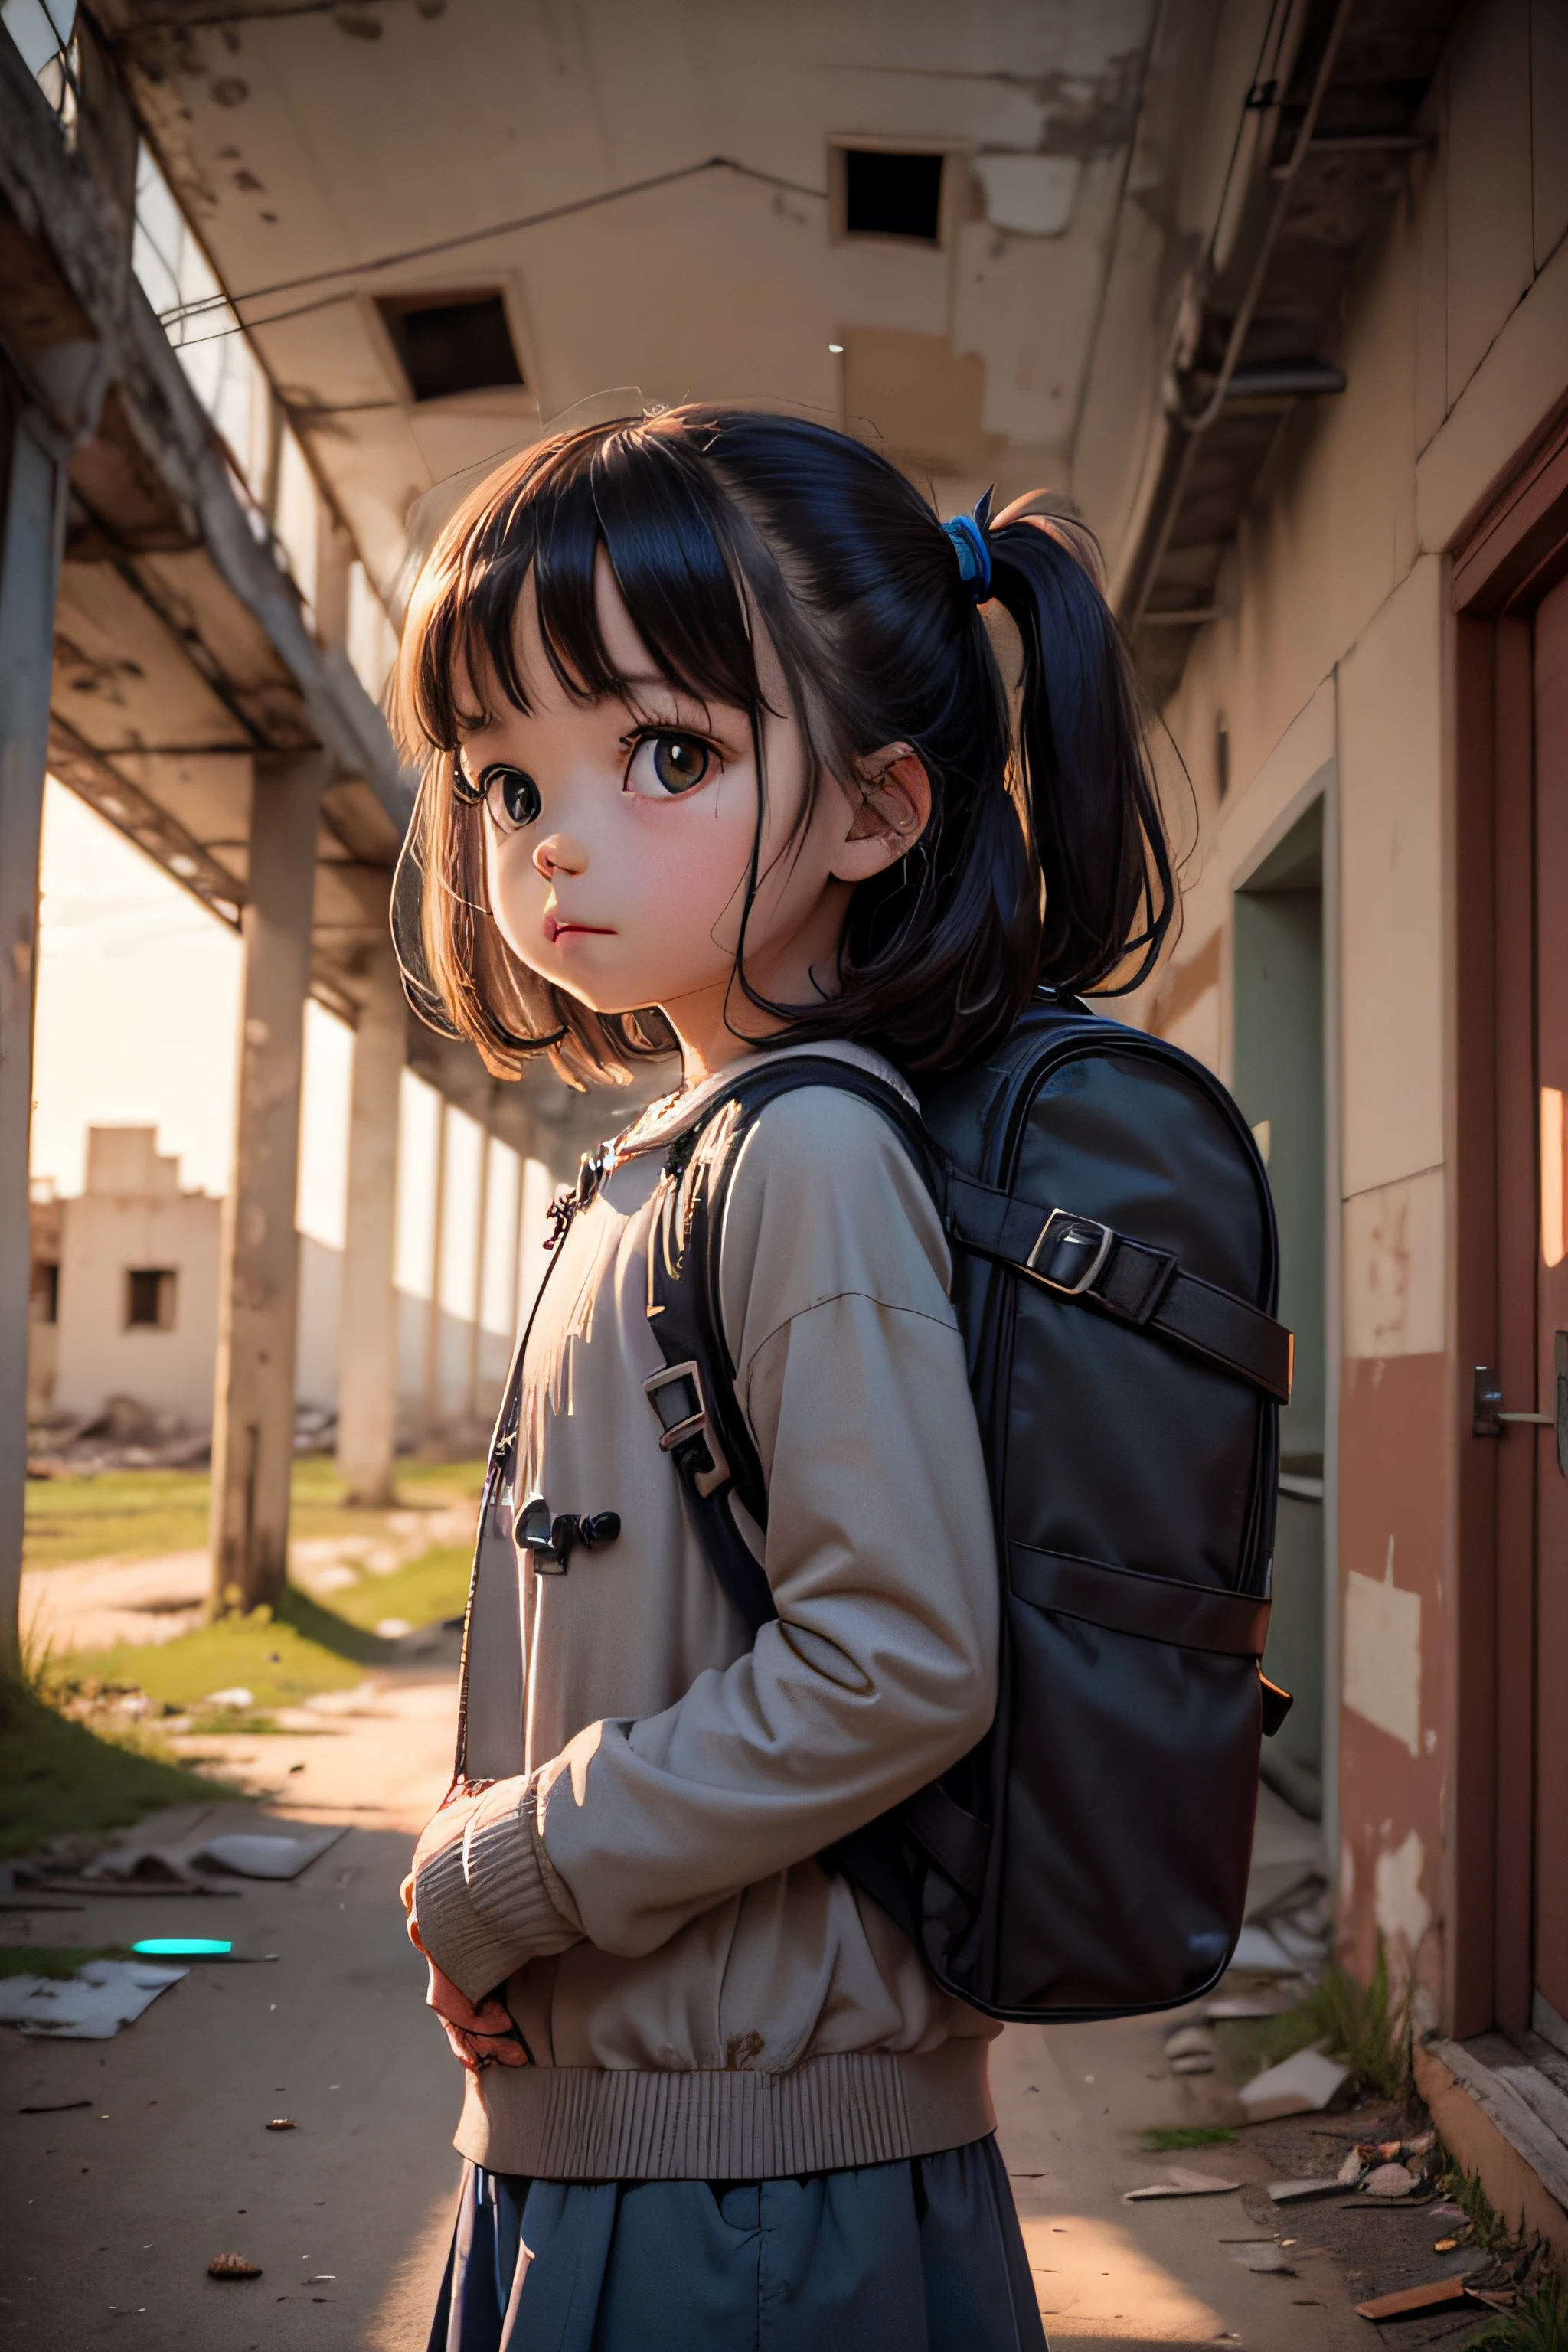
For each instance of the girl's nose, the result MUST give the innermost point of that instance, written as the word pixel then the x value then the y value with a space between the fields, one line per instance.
pixel 559 853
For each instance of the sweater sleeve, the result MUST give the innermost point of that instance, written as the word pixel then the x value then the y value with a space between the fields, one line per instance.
pixel 879 1669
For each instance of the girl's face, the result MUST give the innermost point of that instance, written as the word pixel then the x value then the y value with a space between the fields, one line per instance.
pixel 619 838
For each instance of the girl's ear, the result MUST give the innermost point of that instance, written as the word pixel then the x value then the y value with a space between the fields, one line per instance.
pixel 893 792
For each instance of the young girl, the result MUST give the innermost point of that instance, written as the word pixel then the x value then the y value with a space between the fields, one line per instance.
pixel 718 760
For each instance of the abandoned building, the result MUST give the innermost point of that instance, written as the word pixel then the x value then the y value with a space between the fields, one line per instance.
pixel 1276 298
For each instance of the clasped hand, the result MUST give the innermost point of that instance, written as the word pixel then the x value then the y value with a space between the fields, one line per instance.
pixel 482 2036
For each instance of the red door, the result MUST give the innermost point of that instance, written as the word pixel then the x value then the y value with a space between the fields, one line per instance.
pixel 1551 1937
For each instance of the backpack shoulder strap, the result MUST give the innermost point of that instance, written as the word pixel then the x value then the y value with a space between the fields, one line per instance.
pixel 702 1428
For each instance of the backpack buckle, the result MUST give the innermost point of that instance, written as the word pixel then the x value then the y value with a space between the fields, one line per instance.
pixel 1069 1252
pixel 677 1395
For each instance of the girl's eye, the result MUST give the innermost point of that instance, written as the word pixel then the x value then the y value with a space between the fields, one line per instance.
pixel 511 795
pixel 665 765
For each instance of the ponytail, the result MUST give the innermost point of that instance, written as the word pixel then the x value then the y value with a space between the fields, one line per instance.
pixel 1093 810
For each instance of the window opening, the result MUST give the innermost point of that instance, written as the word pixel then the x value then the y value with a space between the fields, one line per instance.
pixel 150 1298
pixel 461 345
pixel 892 194
pixel 44 1291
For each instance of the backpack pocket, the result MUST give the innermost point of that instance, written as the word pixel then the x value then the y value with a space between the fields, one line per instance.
pixel 1134 1699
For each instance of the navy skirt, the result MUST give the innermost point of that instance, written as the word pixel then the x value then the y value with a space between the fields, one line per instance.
pixel 925 2255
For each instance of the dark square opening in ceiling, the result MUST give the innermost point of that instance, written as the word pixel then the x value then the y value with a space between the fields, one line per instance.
pixel 892 194
pixel 461 344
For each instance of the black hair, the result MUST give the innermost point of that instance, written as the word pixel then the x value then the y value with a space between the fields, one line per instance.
pixel 1044 861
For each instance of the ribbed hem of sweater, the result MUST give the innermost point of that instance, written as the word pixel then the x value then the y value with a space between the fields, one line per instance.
pixel 488 1900
pixel 586 2122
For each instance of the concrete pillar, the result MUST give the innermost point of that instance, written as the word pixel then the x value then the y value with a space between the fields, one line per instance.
pixel 29 577
pixel 367 1351
pixel 253 1410
pixel 430 1414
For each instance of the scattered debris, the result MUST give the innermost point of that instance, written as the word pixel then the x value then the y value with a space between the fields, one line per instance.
pixel 233 2266
pixel 54 2107
pixel 282 2123
pixel 1389 2180
pixel 235 1697
pixel 1180 2181
pixel 91 2006
pixel 1190 2050
pixel 1301 2086
pixel 1412 2300
pixel 251 1856
pixel 1301 2192
pixel 147 1869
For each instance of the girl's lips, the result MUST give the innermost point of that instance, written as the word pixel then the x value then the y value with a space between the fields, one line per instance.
pixel 555 930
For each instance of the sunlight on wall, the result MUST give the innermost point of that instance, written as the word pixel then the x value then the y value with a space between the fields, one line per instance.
pixel 325 1093
pixel 418 1128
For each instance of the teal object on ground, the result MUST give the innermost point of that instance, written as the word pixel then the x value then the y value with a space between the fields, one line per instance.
pixel 181 1947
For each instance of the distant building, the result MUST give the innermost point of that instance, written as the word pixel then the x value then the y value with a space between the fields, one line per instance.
pixel 135 1294
pixel 124 1300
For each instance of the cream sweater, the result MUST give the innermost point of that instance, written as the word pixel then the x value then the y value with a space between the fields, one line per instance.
pixel 698 1998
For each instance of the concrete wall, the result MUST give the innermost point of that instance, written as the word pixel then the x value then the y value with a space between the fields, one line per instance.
pixel 1328 672
pixel 105 1232
pixel 104 1235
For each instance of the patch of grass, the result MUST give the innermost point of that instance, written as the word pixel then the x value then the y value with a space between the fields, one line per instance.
pixel 434 1586
pixel 60 1778
pixel 133 1514
pixel 57 1960
pixel 279 1660
pixel 1162 2142
pixel 1539 2324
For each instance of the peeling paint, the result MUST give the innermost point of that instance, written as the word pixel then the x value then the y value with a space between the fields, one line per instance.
pixel 1402 1913
pixel 1383 1654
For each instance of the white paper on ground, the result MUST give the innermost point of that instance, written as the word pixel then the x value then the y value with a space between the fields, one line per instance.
pixel 1298 2192
pixel 1181 2181
pixel 91 2006
pixel 1301 2086
pixel 1257 1949
pixel 253 1855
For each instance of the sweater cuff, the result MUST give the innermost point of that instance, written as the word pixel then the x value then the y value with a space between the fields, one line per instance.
pixel 487 1899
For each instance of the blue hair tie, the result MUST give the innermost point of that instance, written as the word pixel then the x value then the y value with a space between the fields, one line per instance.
pixel 967 533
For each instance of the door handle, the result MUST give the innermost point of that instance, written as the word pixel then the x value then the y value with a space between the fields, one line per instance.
pixel 1487 1418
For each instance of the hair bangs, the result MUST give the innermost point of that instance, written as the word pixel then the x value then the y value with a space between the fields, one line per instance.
pixel 660 524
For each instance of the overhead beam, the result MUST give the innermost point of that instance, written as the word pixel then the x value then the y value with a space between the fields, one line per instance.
pixel 57 200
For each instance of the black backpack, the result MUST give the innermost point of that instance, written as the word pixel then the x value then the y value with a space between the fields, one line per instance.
pixel 1115 1276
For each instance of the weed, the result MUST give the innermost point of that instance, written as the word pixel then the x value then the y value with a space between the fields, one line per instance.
pixel 1488 2228
pixel 1162 2142
pixel 1365 2026
pixel 1539 2323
